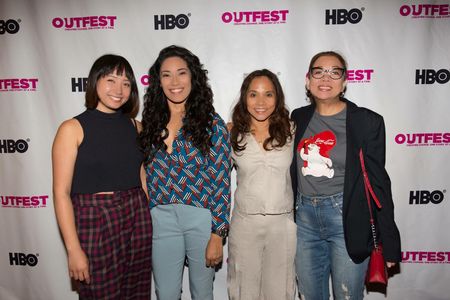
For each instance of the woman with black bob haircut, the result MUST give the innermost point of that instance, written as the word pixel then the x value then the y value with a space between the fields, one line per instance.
pixel 107 64
pixel 262 237
pixel 99 188
pixel 187 153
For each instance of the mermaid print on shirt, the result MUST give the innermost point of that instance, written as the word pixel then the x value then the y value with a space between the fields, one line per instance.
pixel 315 154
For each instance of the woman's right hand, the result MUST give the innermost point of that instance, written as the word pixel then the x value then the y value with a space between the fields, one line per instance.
pixel 79 266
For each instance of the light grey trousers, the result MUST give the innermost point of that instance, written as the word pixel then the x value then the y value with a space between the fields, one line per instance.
pixel 261 251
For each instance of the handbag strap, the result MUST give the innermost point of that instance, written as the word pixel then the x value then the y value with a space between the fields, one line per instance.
pixel 369 191
pixel 366 180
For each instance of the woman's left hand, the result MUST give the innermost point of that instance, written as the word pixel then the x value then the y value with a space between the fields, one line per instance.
pixel 214 251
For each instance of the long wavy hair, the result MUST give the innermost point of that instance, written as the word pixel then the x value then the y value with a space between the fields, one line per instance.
pixel 341 59
pixel 198 120
pixel 279 125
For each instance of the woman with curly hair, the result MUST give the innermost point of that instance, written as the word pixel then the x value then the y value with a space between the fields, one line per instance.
pixel 262 233
pixel 187 165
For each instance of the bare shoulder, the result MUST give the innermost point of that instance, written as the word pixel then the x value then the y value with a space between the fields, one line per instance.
pixel 70 126
pixel 70 131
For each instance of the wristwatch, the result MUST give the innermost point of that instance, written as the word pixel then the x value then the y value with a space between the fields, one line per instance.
pixel 223 233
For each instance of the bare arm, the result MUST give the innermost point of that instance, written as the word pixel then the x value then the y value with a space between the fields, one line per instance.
pixel 64 153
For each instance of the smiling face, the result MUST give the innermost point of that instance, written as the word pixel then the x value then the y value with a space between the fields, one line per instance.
pixel 261 99
pixel 326 89
pixel 175 78
pixel 113 91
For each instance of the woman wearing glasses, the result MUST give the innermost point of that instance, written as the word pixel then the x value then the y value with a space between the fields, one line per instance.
pixel 333 230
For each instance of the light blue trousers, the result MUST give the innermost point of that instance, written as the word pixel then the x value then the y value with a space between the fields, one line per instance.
pixel 181 231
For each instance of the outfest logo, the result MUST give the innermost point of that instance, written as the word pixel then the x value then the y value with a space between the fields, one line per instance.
pixel 359 75
pixel 85 23
pixel 18 84
pixel 426 257
pixel 423 139
pixel 34 201
pixel 263 17
pixel 429 11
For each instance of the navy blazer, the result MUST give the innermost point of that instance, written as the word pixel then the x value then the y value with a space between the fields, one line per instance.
pixel 364 129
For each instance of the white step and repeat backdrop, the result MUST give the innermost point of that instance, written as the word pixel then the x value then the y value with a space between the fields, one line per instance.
pixel 399 66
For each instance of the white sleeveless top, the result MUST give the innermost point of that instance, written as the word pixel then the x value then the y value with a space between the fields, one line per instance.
pixel 263 179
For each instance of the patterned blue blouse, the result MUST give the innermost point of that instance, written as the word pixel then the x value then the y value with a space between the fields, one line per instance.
pixel 187 177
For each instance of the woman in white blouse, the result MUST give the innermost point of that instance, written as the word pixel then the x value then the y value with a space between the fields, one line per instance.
pixel 262 238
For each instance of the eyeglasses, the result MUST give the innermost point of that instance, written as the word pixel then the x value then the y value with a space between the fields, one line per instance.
pixel 334 73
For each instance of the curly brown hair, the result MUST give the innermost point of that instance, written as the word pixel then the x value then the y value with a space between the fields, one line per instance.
pixel 279 125
pixel 200 112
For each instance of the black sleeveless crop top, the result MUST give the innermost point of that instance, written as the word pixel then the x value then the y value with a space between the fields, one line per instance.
pixel 108 158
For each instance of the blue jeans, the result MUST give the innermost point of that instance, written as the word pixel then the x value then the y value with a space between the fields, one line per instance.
pixel 321 251
pixel 181 231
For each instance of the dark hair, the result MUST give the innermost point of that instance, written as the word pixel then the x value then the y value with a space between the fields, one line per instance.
pixel 311 64
pixel 198 120
pixel 104 66
pixel 279 125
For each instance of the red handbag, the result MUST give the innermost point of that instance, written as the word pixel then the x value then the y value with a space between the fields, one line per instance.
pixel 376 271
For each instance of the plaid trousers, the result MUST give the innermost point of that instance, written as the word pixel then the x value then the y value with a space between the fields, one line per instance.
pixel 115 232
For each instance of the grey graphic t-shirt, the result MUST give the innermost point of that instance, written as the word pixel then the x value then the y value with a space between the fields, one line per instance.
pixel 321 155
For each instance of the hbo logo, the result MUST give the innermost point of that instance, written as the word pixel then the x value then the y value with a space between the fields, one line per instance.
pixel 9 26
pixel 429 76
pixel 21 259
pixel 342 16
pixel 425 197
pixel 164 22
pixel 11 146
